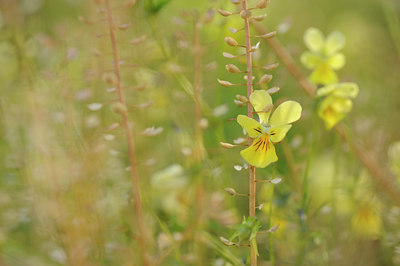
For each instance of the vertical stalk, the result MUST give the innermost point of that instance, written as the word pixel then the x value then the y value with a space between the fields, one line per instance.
pixel 198 133
pixel 130 142
pixel 252 170
pixel 198 88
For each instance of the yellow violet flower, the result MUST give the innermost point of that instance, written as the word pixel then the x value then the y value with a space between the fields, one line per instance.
pixel 269 130
pixel 323 56
pixel 337 102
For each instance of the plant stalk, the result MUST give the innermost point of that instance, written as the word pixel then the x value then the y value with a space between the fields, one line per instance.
pixel 130 142
pixel 252 170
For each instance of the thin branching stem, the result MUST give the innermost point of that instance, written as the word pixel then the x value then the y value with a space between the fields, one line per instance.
pixel 130 142
pixel 252 170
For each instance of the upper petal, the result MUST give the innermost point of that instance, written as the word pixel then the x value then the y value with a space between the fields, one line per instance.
pixel 278 133
pixel 261 153
pixel 286 113
pixel 260 99
pixel 252 127
pixel 334 42
pixel 314 39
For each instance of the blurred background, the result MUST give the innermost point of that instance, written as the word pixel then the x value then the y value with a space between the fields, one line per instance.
pixel 65 187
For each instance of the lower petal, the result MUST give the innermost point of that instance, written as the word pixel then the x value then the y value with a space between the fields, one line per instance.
pixel 323 74
pixel 261 153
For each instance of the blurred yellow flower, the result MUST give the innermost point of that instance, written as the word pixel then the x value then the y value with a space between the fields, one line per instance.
pixel 269 130
pixel 366 221
pixel 323 56
pixel 337 102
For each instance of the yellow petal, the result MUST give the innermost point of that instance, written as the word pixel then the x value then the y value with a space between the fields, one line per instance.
pixel 286 113
pixel 337 61
pixel 342 105
pixel 261 153
pixel 278 133
pixel 261 99
pixel 334 42
pixel 346 90
pixel 314 40
pixel 323 74
pixel 252 127
pixel 331 110
pixel 310 60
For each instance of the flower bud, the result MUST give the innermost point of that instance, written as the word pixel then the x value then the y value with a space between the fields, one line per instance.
pixel 225 83
pixel 242 98
pixel 227 145
pixel 262 4
pixel 119 108
pixel 232 68
pixel 269 35
pixel 230 191
pixel 260 18
pixel 265 79
pixel 244 14
pixel 224 12
pixel 230 41
pixel 239 103
pixel 273 90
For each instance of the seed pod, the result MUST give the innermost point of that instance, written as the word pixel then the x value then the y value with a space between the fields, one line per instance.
pixel 232 68
pixel 265 79
pixel 224 12
pixel 230 41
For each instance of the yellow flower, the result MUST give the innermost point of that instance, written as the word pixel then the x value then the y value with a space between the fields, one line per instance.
pixel 269 130
pixel 323 56
pixel 337 102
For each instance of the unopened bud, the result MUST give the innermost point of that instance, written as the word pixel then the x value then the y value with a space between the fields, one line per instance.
pixel 273 90
pixel 232 68
pixel 230 191
pixel 227 145
pixel 230 41
pixel 225 83
pixel 245 14
pixel 225 241
pixel 242 98
pixel 138 40
pixel 224 12
pixel 235 2
pixel 124 26
pixel 239 103
pixel 262 4
pixel 265 79
pixel 110 78
pixel 130 3
pixel 119 108
pixel 260 18
pixel 269 35
pixel 228 55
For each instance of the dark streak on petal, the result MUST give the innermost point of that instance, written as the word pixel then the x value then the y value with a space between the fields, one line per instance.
pixel 257 129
